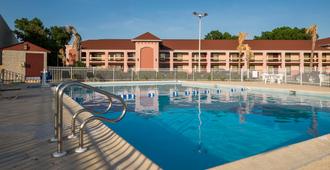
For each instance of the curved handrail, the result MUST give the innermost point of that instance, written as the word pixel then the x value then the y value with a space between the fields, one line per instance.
pixel 54 139
pixel 59 152
pixel 74 117
pixel 81 147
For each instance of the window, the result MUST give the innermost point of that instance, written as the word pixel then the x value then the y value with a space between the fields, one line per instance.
pixel 164 57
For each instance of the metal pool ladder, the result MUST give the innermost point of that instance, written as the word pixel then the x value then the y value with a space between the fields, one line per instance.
pixel 58 116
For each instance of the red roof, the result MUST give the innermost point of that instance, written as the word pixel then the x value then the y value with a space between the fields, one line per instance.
pixel 25 46
pixel 192 44
pixel 323 42
pixel 107 44
pixel 232 45
pixel 147 36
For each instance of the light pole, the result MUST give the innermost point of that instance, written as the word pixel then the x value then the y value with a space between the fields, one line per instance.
pixel 200 15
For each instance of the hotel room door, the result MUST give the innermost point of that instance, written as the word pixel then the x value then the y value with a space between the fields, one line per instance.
pixel 147 58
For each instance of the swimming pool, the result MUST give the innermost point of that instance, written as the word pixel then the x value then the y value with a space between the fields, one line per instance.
pixel 185 127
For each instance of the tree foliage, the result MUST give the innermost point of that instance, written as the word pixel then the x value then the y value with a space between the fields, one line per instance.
pixel 53 38
pixel 284 33
pixel 217 35
pixel 79 64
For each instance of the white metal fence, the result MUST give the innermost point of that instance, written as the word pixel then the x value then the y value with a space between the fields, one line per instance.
pixel 7 76
pixel 112 74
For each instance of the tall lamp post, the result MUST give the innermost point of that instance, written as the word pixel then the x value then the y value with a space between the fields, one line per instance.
pixel 200 15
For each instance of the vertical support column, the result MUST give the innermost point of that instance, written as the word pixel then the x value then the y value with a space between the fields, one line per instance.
pixel 125 61
pixel 171 60
pixel 190 62
pixel 87 58
pixel 137 59
pixel 156 55
pixel 301 58
pixel 106 59
pixel 227 60
pixel 208 62
pixel 320 64
pixel 283 61
pixel 264 62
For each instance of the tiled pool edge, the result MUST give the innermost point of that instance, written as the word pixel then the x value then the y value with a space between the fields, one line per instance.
pixel 134 161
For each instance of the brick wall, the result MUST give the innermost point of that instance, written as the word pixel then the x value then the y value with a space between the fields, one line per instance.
pixel 13 61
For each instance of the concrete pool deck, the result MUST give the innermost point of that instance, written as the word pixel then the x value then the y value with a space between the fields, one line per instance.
pixel 25 131
pixel 26 126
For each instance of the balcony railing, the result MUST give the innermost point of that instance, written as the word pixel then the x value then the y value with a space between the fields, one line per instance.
pixel 292 60
pixel 179 60
pixel 273 60
pixel 255 61
pixel 218 60
pixel 196 59
pixel 117 59
pixel 97 59
pixel 309 60
pixel 234 60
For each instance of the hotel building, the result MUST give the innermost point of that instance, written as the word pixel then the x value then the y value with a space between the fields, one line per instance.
pixel 148 52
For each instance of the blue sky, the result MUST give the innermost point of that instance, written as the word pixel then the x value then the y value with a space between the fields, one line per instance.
pixel 95 19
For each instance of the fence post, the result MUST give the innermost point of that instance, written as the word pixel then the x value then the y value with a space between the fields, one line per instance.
pixel 3 75
pixel 212 74
pixel 193 75
pixel 156 74
pixel 301 77
pixel 285 76
pixel 71 73
pixel 61 77
pixel 132 75
pixel 241 74
pixel 113 74
pixel 230 74
pixel 175 74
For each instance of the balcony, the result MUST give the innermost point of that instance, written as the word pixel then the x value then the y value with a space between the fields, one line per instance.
pixel 292 60
pixel 116 59
pixel 255 61
pixel 180 59
pixel 131 59
pixel 196 59
pixel 217 60
pixel 164 60
pixel 273 60
pixel 234 60
pixel 96 59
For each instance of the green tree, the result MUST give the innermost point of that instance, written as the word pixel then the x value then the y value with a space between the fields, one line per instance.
pixel 59 37
pixel 52 39
pixel 79 64
pixel 31 30
pixel 284 33
pixel 217 35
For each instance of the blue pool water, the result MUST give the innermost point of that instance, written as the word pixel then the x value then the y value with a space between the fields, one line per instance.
pixel 202 130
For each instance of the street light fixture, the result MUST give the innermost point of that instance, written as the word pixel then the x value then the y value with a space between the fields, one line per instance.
pixel 200 15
